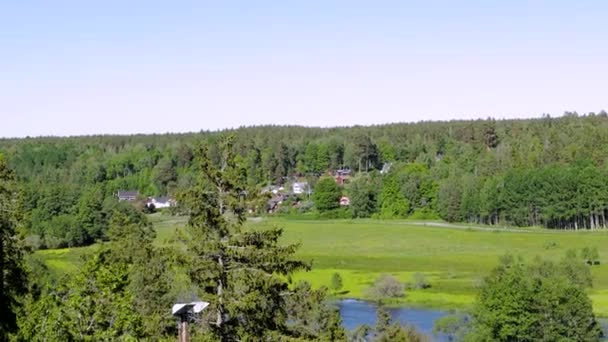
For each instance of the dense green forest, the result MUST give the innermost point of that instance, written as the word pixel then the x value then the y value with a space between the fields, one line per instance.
pixel 549 172
pixel 62 192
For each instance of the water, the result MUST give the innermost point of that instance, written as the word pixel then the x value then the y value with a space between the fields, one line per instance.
pixel 356 312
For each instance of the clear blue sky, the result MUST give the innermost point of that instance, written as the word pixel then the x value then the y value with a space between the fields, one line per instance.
pixel 85 67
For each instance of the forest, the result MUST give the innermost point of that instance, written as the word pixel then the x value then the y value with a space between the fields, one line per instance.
pixel 549 172
pixel 62 192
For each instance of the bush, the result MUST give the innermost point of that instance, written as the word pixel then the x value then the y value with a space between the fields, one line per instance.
pixel 339 213
pixel 590 255
pixel 336 282
pixel 420 281
pixel 386 286
pixel 305 206
pixel 424 214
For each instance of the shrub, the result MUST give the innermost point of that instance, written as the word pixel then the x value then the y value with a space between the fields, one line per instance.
pixel 420 281
pixel 339 213
pixel 336 282
pixel 305 206
pixel 590 255
pixel 424 214
pixel 386 286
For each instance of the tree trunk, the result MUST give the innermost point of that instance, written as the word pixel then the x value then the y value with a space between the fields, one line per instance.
pixel 220 296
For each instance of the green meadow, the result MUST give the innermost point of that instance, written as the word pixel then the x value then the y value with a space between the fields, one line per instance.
pixel 453 259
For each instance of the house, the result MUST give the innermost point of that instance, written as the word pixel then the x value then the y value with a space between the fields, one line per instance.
pixel 342 176
pixel 300 188
pixel 129 196
pixel 274 203
pixel 160 202
pixel 341 180
pixel 344 172
pixel 386 168
pixel 274 189
pixel 344 201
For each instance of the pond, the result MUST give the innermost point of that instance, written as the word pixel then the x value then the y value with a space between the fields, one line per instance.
pixel 357 312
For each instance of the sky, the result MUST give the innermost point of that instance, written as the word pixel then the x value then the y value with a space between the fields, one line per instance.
pixel 121 67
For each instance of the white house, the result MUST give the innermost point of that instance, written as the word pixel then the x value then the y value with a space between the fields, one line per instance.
pixel 160 202
pixel 300 188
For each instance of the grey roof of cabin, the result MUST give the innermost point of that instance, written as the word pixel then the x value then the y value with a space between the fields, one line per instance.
pixel 129 193
pixel 162 199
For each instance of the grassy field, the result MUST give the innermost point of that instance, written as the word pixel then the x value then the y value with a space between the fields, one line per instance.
pixel 453 260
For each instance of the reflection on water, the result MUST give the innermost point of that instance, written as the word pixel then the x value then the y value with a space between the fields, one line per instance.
pixel 356 312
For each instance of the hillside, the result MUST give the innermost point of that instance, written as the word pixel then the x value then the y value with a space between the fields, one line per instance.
pixel 549 172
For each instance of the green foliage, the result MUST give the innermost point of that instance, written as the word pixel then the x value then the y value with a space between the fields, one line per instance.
pixel 336 282
pixel 338 213
pixel 12 273
pixel 393 203
pixel 362 152
pixel 590 255
pixel 121 292
pixel 548 172
pixel 423 214
pixel 386 331
pixel 386 286
pixel 454 326
pixel 363 194
pixel 311 317
pixel 326 195
pixel 241 273
pixel 420 281
pixel 536 301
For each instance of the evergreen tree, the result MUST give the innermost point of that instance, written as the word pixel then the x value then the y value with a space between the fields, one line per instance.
pixel 240 272
pixel 336 282
pixel 122 292
pixel 12 274
pixel 326 195
pixel 362 191
pixel 489 134
pixel 311 317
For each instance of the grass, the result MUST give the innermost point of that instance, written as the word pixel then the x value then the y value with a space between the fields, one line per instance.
pixel 60 261
pixel 453 260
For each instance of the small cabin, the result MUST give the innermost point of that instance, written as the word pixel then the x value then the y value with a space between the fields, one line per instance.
pixel 129 195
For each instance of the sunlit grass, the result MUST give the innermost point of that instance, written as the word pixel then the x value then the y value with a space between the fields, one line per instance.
pixel 453 260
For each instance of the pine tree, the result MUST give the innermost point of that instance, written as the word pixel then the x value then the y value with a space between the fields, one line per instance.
pixel 489 134
pixel 237 270
pixel 12 274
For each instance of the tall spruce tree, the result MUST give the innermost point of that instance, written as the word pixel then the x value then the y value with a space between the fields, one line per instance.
pixel 240 272
pixel 12 274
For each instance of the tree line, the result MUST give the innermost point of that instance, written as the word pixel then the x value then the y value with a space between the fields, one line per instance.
pixel 127 284
pixel 545 171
